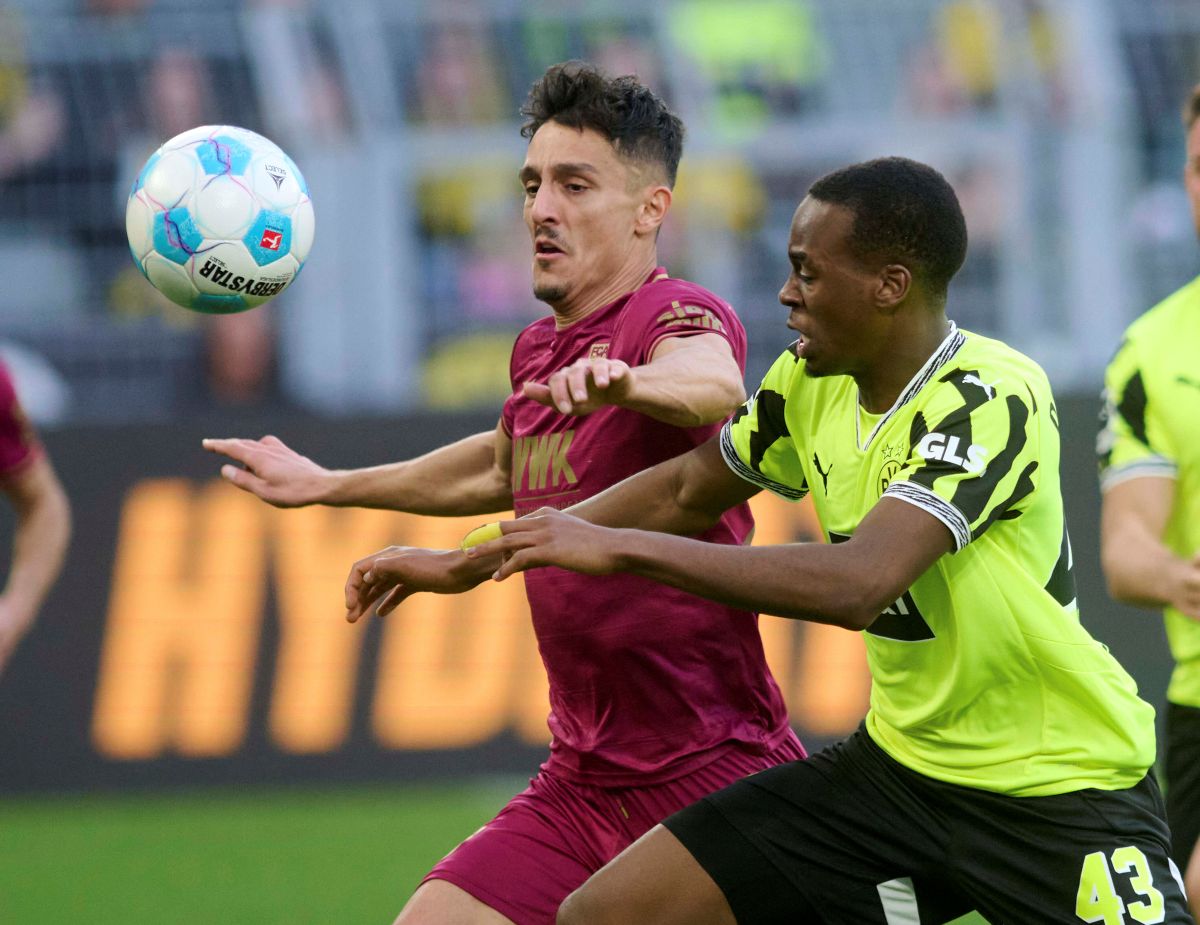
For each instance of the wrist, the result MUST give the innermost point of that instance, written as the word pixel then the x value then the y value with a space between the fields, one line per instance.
pixel 335 488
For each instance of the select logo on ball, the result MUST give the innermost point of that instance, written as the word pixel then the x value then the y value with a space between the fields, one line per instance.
pixel 271 240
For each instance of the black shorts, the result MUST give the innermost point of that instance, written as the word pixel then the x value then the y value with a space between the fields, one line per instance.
pixel 851 836
pixel 1183 779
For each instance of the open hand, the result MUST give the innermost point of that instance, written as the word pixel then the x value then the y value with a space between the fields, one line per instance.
pixel 385 578
pixel 272 470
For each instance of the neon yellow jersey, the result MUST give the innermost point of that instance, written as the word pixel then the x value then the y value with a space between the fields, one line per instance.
pixel 982 674
pixel 1152 429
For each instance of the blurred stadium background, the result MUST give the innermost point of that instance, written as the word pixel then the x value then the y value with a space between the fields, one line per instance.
pixel 191 734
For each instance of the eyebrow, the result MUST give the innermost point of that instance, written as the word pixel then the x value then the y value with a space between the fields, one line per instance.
pixel 797 256
pixel 570 169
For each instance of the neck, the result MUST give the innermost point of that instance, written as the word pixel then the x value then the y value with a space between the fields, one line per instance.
pixel 881 384
pixel 630 277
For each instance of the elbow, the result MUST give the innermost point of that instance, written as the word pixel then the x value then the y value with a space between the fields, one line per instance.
pixel 862 602
pixel 727 396
pixel 1116 581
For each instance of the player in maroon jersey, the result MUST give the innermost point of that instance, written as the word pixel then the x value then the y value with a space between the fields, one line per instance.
pixel 657 697
pixel 43 520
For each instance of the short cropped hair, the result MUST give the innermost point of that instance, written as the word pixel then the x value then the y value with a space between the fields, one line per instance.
pixel 1191 109
pixel 630 115
pixel 904 212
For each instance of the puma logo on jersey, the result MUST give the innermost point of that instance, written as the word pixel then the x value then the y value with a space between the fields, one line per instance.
pixel 824 473
pixel 972 379
pixel 937 446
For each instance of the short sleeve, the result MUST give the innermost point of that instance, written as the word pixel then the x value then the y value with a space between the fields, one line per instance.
pixel 756 443
pixel 976 463
pixel 18 442
pixel 1131 443
pixel 679 311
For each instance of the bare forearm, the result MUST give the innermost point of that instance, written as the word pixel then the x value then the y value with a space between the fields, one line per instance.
pixel 39 546
pixel 459 479
pixel 1141 570
pixel 687 388
pixel 811 582
pixel 684 496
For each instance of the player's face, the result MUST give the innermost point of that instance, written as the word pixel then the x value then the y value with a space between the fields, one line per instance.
pixel 1191 172
pixel 581 208
pixel 828 292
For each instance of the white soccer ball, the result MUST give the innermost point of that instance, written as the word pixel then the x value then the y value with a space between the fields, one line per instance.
pixel 219 219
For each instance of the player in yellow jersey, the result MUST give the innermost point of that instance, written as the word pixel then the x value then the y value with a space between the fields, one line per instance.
pixel 1150 528
pixel 1003 761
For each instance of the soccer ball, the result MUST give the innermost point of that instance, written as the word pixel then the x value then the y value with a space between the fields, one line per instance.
pixel 219 219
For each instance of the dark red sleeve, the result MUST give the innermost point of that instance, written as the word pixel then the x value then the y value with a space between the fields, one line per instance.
pixel 673 308
pixel 18 443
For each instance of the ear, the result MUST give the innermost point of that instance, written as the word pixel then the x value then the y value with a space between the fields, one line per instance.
pixel 656 202
pixel 892 286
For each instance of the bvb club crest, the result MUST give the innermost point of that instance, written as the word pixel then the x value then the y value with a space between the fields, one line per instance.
pixel 893 460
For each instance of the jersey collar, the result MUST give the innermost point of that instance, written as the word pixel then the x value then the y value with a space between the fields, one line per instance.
pixel 941 356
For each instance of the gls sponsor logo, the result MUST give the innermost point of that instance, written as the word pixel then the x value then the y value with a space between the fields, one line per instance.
pixel 939 446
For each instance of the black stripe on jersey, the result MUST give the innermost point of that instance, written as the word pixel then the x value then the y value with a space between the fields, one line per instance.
pixel 741 470
pixel 918 429
pixel 772 425
pixel 972 495
pixel 1132 407
pixel 1004 510
pixel 974 393
pixel 1061 585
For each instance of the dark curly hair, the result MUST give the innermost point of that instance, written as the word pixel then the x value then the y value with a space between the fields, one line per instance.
pixel 904 212
pixel 627 113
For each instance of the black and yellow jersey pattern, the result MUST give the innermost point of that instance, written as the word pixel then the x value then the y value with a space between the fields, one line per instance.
pixel 1151 428
pixel 982 674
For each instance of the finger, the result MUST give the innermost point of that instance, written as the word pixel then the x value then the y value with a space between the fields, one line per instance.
pixel 234 449
pixel 392 600
pixel 602 375
pixel 517 562
pixel 560 392
pixel 578 382
pixel 272 440
pixel 245 480
pixel 505 545
pixel 539 392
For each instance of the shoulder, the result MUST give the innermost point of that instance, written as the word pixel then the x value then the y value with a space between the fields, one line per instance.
pixel 1012 370
pixel 985 369
pixel 1159 328
pixel 668 299
pixel 8 392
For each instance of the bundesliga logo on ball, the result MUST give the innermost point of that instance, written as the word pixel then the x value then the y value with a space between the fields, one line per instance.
pixel 219 219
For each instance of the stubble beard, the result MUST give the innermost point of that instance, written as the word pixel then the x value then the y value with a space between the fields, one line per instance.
pixel 550 293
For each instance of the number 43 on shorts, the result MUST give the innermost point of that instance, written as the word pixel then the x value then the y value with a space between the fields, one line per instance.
pixel 1097 899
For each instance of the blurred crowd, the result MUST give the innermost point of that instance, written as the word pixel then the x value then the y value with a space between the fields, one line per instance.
pixel 88 88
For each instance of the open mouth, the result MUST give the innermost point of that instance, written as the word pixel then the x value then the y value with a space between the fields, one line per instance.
pixel 544 248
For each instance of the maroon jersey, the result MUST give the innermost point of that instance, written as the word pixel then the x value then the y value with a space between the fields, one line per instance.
pixel 646 682
pixel 18 444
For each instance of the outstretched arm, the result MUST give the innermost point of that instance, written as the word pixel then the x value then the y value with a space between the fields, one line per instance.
pixel 848 584
pixel 689 382
pixel 687 495
pixel 1139 567
pixel 471 476
pixel 39 546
